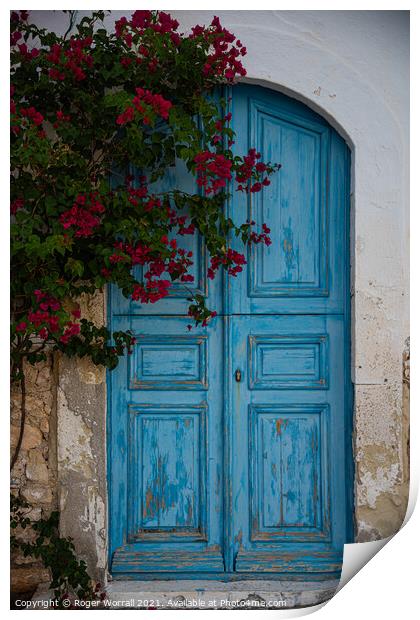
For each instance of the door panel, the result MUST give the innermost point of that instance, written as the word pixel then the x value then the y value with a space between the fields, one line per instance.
pixel 177 300
pixel 303 270
pixel 288 474
pixel 288 362
pixel 166 464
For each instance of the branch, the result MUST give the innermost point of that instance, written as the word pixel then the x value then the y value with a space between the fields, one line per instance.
pixel 22 416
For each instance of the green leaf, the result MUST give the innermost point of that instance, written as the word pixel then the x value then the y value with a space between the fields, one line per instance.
pixel 74 266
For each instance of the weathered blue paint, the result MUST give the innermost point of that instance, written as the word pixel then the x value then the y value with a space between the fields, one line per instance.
pixel 230 446
pixel 288 362
pixel 288 483
pixel 166 459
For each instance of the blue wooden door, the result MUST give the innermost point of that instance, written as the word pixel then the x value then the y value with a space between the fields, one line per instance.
pixel 229 446
pixel 166 429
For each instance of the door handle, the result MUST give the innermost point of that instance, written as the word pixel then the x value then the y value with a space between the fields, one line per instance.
pixel 238 375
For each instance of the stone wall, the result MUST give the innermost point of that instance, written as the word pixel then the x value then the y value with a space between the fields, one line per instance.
pixel 62 461
pixel 34 475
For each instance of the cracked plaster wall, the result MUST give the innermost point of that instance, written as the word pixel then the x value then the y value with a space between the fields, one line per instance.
pixel 352 67
pixel 81 450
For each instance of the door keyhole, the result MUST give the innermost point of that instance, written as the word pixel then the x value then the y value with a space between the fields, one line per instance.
pixel 238 375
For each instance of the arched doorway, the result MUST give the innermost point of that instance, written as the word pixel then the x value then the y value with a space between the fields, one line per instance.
pixel 230 446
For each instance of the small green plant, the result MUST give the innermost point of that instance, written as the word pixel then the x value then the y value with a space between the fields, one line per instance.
pixel 69 575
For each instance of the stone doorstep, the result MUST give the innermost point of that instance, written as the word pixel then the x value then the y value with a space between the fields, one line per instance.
pixel 208 594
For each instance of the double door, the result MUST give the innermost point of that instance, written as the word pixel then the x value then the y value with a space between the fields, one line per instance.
pixel 229 446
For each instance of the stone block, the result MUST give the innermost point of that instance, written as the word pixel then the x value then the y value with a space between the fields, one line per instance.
pixel 36 468
pixel 24 579
pixel 37 494
pixel 32 437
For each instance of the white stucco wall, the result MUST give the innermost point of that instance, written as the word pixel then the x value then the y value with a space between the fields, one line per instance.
pixel 353 68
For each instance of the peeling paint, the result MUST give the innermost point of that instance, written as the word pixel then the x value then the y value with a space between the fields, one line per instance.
pixel 95 518
pixel 81 440
pixel 89 373
pixel 74 452
pixel 382 481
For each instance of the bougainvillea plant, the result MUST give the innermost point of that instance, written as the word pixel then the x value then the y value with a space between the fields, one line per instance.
pixel 87 109
pixel 69 576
